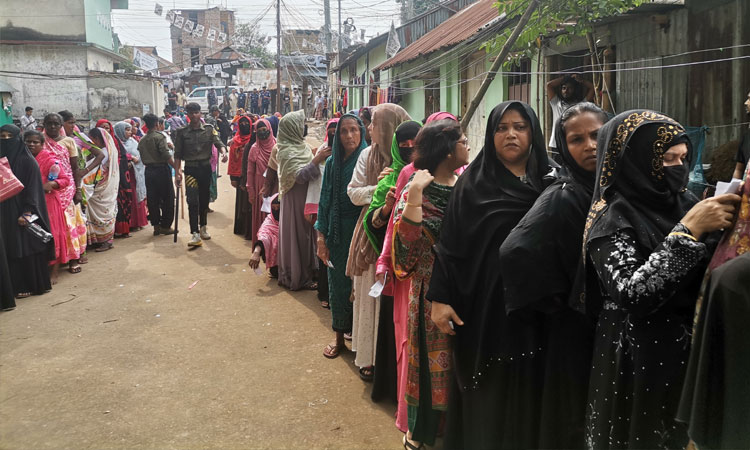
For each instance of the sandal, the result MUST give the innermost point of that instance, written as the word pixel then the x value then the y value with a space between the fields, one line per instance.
pixel 409 446
pixel 347 336
pixel 104 247
pixel 74 269
pixel 23 294
pixel 367 373
pixel 312 286
pixel 331 351
pixel 324 304
pixel 83 259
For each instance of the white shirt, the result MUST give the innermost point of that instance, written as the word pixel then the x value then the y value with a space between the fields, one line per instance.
pixel 558 107
pixel 28 123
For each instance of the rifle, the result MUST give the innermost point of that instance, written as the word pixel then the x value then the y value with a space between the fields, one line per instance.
pixel 177 210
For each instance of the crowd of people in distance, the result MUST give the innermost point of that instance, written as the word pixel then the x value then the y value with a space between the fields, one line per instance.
pixel 511 301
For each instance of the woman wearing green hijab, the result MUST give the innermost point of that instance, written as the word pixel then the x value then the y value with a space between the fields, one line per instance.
pixel 337 217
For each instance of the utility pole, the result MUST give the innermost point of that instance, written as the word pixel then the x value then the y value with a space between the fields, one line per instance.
pixel 278 55
pixel 335 98
pixel 327 31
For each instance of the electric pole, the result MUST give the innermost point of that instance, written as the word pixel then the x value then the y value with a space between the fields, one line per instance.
pixel 278 55
pixel 327 31
pixel 341 46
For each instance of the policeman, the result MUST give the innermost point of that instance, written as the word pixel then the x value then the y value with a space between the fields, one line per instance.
pixel 155 155
pixel 192 144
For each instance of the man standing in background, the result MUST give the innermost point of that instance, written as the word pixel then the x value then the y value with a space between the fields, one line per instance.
pixel 28 122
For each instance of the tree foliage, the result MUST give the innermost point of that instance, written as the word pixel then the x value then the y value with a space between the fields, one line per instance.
pixel 248 39
pixel 564 18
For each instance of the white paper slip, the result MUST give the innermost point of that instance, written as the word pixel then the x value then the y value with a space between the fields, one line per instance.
pixel 731 187
pixel 266 206
pixel 329 264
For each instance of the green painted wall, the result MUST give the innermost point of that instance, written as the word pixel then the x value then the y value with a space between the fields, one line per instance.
pixel 99 23
pixel 496 93
pixel 450 89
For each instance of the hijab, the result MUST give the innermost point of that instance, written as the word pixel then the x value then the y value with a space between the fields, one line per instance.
pixel 333 123
pixel 274 121
pixel 633 190
pixel 385 119
pixel 31 199
pixel 101 122
pixel 261 149
pixel 293 152
pixel 239 141
pixel 487 202
pixel 406 131
pixel 131 147
pixel 338 173
pixel 440 115
pixel 561 208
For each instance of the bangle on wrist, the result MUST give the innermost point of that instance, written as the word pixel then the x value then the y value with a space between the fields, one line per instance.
pixel 414 205
pixel 679 233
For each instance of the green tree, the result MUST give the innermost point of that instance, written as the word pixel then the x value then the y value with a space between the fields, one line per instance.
pixel 538 18
pixel 248 39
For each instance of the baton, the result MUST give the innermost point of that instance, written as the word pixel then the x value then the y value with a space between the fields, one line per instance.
pixel 177 210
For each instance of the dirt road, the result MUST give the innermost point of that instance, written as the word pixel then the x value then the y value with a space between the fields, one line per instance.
pixel 126 355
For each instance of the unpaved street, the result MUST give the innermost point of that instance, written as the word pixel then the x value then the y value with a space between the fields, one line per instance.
pixel 127 355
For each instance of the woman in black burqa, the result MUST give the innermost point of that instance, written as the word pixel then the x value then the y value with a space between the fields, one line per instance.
pixel 547 241
pixel 27 256
pixel 498 378
pixel 644 258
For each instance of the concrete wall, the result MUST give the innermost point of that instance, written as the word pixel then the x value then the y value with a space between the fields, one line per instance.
pixel 43 94
pixel 18 21
pixel 99 23
pixel 117 98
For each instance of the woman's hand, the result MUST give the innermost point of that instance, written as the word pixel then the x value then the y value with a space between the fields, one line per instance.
pixel 135 160
pixel 711 214
pixel 390 200
pixel 235 183
pixel 442 314
pixel 322 155
pixel 254 259
pixel 311 218
pixel 422 179
pixel 323 252
pixel 50 186
pixel 384 173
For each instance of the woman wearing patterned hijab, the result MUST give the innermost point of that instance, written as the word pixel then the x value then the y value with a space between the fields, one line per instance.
pixel 642 241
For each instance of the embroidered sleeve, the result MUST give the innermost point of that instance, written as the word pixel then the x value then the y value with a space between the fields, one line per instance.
pixel 410 242
pixel 640 285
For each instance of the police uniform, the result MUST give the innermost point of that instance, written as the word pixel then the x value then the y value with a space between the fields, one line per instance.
pixel 193 146
pixel 159 188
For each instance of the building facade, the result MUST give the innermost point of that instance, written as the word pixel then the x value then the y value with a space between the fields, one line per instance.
pixel 189 50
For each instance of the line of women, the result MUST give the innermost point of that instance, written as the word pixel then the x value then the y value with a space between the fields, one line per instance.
pixel 520 304
pixel 80 192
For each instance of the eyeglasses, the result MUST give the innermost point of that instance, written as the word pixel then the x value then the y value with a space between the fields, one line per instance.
pixel 464 141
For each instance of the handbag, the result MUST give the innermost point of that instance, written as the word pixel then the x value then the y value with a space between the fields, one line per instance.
pixel 9 184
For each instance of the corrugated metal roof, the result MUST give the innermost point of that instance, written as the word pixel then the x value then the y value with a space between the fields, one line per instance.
pixel 458 28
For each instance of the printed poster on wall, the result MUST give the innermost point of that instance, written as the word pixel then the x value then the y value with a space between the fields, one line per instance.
pixel 222 38
pixel 179 21
pixel 225 65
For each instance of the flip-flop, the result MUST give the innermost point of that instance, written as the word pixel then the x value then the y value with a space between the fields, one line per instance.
pixel 105 247
pixel 332 351
pixel 367 373
pixel 347 336
pixel 74 269
pixel 311 286
pixel 23 295
pixel 83 260
pixel 325 304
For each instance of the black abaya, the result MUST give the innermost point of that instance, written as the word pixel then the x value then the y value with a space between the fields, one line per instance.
pixel 384 383
pixel 242 210
pixel 498 371
pixel 27 256
pixel 7 299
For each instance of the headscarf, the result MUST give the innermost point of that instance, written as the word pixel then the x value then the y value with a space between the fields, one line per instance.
pixel 102 196
pixel 632 191
pixel 274 121
pixel 131 148
pixel 30 199
pixel 389 117
pixel 334 122
pixel 487 202
pixel 260 152
pixel 333 197
pixel 561 209
pixel 62 154
pixel 440 115
pixel 101 122
pixel 406 131
pixel 234 168
pixel 137 132
pixel 268 234
pixel 293 152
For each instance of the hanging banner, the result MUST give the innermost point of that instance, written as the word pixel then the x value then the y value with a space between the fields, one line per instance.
pixel 235 63
pixel 158 9
pixel 189 26
pixel 222 38
pixel 224 75
pixel 208 69
pixel 211 34
pixel 144 60
pixel 170 16
pixel 199 29
pixel 225 65
pixel 179 21
pixel 393 45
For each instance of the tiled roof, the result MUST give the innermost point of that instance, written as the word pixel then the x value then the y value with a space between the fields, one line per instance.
pixel 458 28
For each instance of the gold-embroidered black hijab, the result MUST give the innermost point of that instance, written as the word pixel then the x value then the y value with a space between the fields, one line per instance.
pixel 634 191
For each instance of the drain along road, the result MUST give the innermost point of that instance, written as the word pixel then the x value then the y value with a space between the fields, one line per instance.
pixel 125 355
